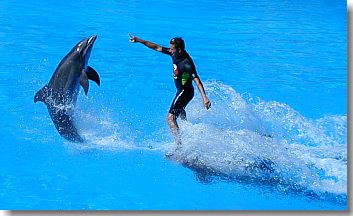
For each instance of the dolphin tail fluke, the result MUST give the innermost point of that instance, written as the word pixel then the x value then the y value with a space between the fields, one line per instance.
pixel 84 81
pixel 93 75
pixel 42 94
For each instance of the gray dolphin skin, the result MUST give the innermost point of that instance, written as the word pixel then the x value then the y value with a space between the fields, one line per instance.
pixel 60 94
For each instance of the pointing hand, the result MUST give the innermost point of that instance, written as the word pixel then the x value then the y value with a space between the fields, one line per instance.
pixel 132 38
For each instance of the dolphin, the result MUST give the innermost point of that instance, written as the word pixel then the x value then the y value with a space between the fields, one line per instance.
pixel 60 94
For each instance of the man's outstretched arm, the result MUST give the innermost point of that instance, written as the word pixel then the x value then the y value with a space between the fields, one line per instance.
pixel 151 45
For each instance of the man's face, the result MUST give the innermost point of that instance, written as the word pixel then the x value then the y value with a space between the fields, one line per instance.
pixel 173 51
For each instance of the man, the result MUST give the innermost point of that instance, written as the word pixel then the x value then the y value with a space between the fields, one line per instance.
pixel 184 73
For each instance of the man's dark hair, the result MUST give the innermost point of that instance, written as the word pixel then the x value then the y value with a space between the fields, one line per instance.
pixel 178 43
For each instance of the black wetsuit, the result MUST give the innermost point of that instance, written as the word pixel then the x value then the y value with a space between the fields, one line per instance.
pixel 184 72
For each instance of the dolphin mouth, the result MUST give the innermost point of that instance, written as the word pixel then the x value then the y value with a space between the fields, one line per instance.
pixel 85 47
pixel 91 40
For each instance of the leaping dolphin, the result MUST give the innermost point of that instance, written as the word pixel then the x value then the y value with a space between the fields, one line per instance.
pixel 60 94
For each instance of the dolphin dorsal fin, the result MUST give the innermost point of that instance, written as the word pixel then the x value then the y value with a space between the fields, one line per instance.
pixel 93 75
pixel 42 94
pixel 84 81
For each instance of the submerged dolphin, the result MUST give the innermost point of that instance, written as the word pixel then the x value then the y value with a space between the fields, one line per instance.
pixel 60 94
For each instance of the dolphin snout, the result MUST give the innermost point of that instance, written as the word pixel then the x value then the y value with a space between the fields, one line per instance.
pixel 92 39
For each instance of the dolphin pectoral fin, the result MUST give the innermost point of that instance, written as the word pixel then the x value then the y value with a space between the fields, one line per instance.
pixel 41 94
pixel 93 75
pixel 84 81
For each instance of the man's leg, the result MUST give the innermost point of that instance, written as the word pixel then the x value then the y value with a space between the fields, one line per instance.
pixel 183 115
pixel 177 108
pixel 173 125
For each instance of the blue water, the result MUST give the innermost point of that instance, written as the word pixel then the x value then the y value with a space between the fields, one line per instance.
pixel 275 72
